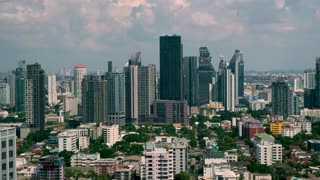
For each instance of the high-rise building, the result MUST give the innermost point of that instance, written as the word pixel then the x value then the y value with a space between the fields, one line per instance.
pixel 309 79
pixel 12 84
pixel 237 68
pixel 170 111
pixel 79 72
pixel 4 94
pixel 146 91
pixel 281 98
pixel 94 99
pixel 131 93
pixel 227 89
pixel 218 88
pixel 20 86
pixel 317 101
pixel 207 76
pixel 110 67
pixel 35 97
pixel 171 68
pixel 309 98
pixel 8 153
pixel 116 98
pixel 50 167
pixel 52 89
pixel 191 80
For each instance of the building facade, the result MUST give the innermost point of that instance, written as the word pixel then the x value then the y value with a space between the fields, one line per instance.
pixel 111 134
pixel 8 153
pixel 170 111
pixel 52 89
pixel 67 141
pixel 50 167
pixel 171 68
pixel 20 86
pixel 94 99
pixel 281 99
pixel 4 94
pixel 79 72
pixel 237 68
pixel 191 80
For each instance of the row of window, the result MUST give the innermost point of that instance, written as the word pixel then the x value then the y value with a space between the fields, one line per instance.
pixel 4 143
pixel 4 165
pixel 4 154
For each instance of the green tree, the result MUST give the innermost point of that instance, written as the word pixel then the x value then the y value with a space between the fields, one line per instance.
pixel 129 128
pixel 135 149
pixel 170 130
pixel 122 146
pixel 66 156
pixel 182 176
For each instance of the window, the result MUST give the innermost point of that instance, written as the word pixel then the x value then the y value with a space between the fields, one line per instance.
pixel 4 155
pixel 10 142
pixel 4 166
pixel 3 144
pixel 11 175
pixel 10 153
pixel 11 164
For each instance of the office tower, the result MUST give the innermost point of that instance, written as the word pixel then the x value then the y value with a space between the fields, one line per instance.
pixel 94 99
pixel 191 83
pixel 317 102
pixel 309 96
pixel 12 84
pixel 281 98
pixel 227 82
pixel 111 134
pixel 35 98
pixel 207 76
pixel 110 67
pixel 20 86
pixel 79 72
pixel 146 90
pixel 52 89
pixel 116 98
pixel 218 87
pixel 237 68
pixel 171 70
pixel 8 153
pixel 4 94
pixel 170 111
pixel 309 79
pixel 50 167
pixel 131 93
pixel 67 141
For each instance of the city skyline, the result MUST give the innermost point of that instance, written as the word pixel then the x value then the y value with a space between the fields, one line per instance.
pixel 273 35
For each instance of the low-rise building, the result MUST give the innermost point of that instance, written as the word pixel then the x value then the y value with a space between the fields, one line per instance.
pixel 268 153
pixel 125 172
pixel 84 142
pixel 84 160
pixel 276 127
pixel 28 172
pixel 257 176
pixel 50 167
pixel 111 134
pixel 67 141
pixel 313 145
pixel 310 112
pixel 290 130
pixel 105 166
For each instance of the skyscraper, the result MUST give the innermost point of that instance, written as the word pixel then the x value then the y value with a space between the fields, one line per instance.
pixel 317 102
pixel 237 68
pixel 8 153
pixel 309 79
pixel 52 91
pixel 227 88
pixel 207 76
pixel 191 83
pixel 12 84
pixel 281 98
pixel 35 97
pixel 146 90
pixel 116 98
pixel 4 94
pixel 131 93
pixel 79 72
pixel 20 86
pixel 218 87
pixel 94 99
pixel 171 72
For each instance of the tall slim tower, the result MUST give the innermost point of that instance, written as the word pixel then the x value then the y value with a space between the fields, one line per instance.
pixel 146 90
pixel 281 98
pixel 4 94
pixel 35 97
pixel 207 76
pixel 317 102
pixel 227 88
pixel 12 84
pixel 52 89
pixel 116 98
pixel 237 68
pixel 20 86
pixel 131 91
pixel 309 79
pixel 79 72
pixel 171 68
pixel 94 99
pixel 191 83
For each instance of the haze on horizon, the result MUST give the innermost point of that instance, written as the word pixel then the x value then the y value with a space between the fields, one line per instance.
pixel 272 34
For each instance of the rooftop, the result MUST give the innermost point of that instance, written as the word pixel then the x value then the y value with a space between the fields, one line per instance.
pixel 263 135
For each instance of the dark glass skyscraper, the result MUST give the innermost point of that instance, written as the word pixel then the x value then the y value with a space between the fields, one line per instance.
pixel 281 98
pixel 171 73
pixel 191 83
pixel 35 97
pixel 94 99
pixel 237 68
pixel 207 76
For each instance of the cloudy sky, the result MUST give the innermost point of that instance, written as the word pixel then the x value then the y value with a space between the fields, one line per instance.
pixel 272 34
